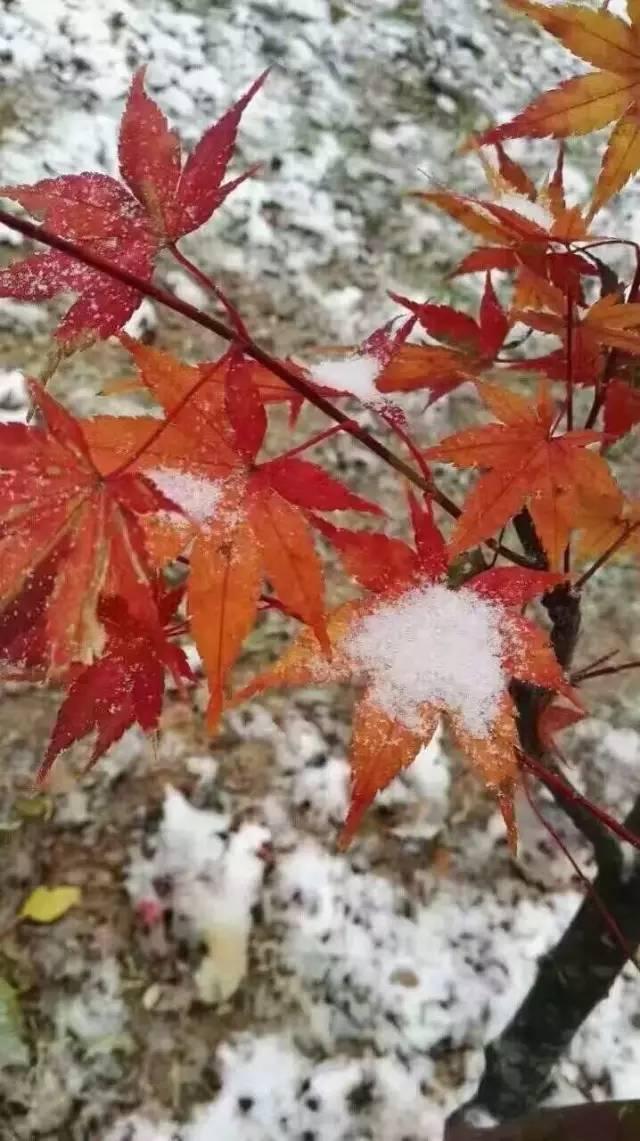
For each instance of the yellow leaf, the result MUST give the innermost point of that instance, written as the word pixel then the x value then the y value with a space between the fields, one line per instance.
pixel 46 904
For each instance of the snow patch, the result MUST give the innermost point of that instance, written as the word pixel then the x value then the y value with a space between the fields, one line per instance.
pixel 355 375
pixel 198 497
pixel 437 646
pixel 210 880
pixel 13 396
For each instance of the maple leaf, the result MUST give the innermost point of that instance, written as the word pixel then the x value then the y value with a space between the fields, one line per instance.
pixel 249 517
pixel 588 102
pixel 525 465
pixel 621 408
pixel 68 535
pixel 609 321
pixel 599 512
pixel 553 719
pixel 158 201
pixel 474 346
pixel 124 686
pixel 521 226
pixel 424 651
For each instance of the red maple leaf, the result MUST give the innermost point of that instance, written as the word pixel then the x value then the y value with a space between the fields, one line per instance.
pixel 467 347
pixel 125 685
pixel 521 229
pixel 159 200
pixel 67 535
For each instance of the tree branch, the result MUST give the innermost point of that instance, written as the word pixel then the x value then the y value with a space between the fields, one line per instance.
pixel 252 349
pixel 573 977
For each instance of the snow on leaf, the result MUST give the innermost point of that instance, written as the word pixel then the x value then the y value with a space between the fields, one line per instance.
pixel 197 496
pixel 433 646
pixel 426 651
pixel 381 747
pixel 47 904
pixel 354 375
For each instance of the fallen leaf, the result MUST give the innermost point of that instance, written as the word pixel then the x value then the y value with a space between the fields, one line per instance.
pixel 47 904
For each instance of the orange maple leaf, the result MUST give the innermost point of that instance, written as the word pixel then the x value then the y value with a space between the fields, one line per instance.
pixel 589 102
pixel 525 465
pixel 55 499
pixel 599 512
pixel 404 641
pixel 520 226
pixel 248 518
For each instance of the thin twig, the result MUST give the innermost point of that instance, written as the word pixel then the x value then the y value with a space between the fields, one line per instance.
pixel 578 674
pixel 587 885
pixel 556 783
pixel 318 438
pixel 589 676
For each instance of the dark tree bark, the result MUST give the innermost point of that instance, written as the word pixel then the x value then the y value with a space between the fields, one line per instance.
pixel 572 979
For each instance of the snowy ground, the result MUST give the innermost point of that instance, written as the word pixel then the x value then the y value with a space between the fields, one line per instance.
pixel 373 978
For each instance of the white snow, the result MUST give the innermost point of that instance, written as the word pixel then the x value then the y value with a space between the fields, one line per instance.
pixel 372 978
pixel 210 879
pixel 144 321
pixel 433 645
pixel 97 1015
pixel 355 375
pixel 197 496
pixel 13 396
pixel 329 229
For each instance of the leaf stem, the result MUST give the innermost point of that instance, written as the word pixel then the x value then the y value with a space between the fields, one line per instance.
pixel 318 438
pixel 569 361
pixel 202 278
pixel 565 791
pixel 588 886
pixel 303 387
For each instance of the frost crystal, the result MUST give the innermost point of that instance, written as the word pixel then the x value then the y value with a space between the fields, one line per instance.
pixel 351 374
pixel 197 496
pixel 434 645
